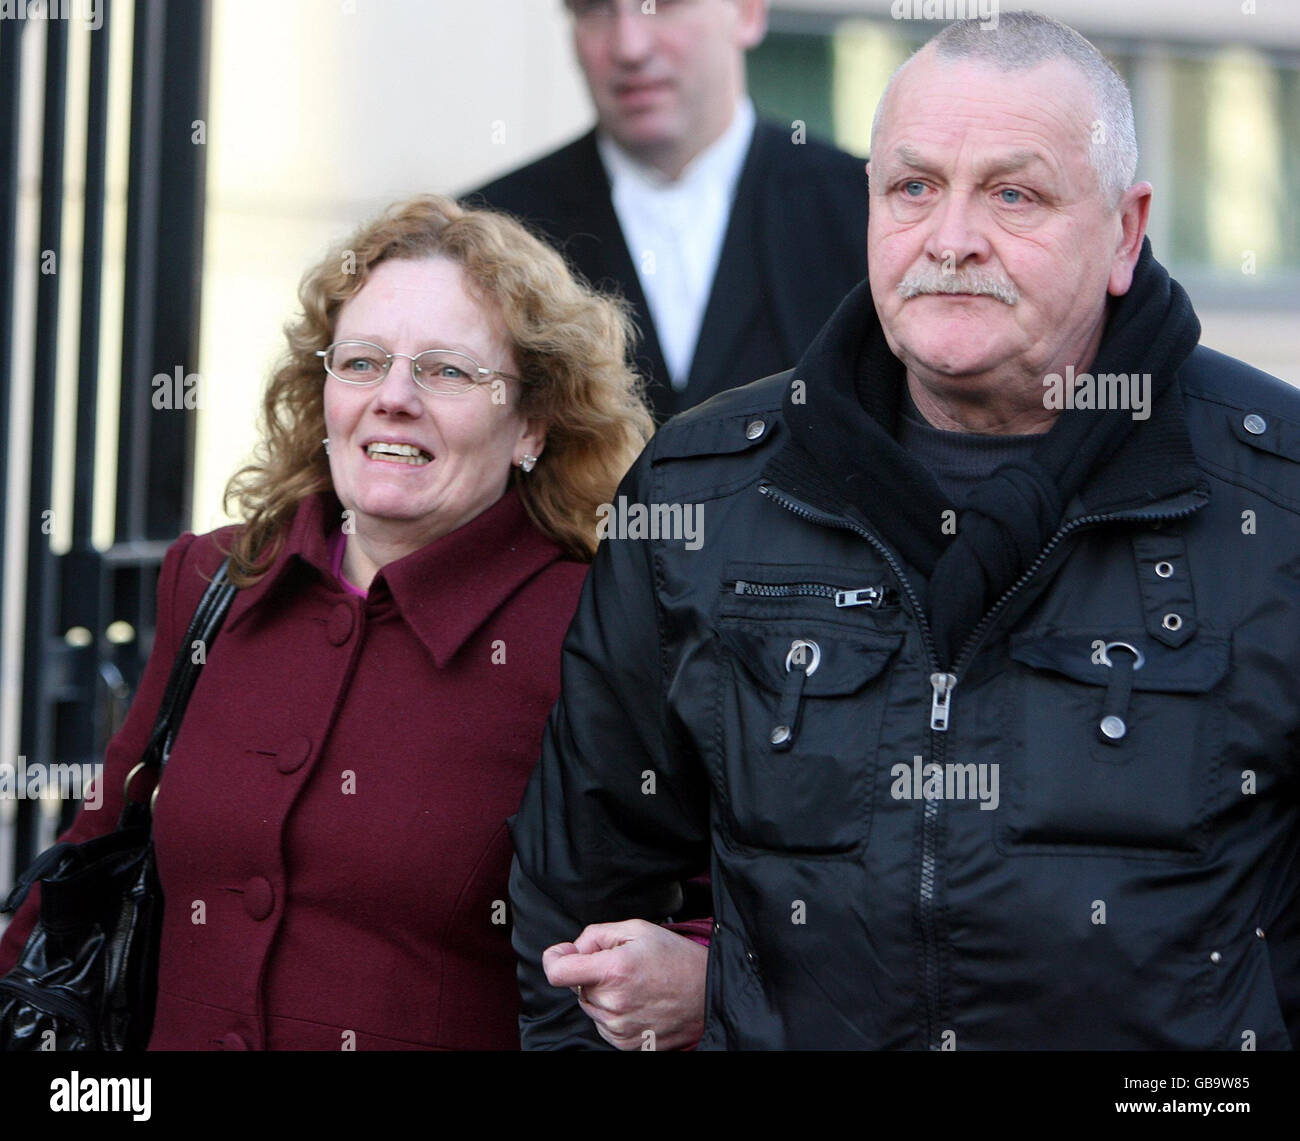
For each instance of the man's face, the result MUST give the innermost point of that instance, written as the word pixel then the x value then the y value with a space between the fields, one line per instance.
pixel 981 179
pixel 665 82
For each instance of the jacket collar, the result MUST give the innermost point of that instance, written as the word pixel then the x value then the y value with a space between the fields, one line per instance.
pixel 1155 464
pixel 445 591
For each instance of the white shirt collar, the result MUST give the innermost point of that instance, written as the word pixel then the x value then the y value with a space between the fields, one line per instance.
pixel 721 160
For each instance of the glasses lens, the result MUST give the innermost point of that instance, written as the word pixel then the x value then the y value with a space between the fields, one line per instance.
pixel 356 362
pixel 442 371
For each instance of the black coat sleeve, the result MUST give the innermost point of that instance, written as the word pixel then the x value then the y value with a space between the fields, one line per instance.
pixel 615 816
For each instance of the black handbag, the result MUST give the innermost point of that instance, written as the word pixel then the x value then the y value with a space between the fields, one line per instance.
pixel 87 978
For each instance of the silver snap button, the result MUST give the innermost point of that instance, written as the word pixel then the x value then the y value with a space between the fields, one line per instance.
pixel 1255 424
pixel 756 428
pixel 1164 569
pixel 1172 622
pixel 1259 932
pixel 780 735
pixel 1113 727
pixel 1215 957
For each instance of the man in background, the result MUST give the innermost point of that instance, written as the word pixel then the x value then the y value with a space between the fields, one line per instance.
pixel 733 238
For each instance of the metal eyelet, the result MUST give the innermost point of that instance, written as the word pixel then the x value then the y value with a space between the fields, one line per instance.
pixel 1164 569
pixel 1172 621
pixel 803 644
pixel 1137 654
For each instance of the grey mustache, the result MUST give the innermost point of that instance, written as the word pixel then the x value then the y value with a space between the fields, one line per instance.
pixel 932 280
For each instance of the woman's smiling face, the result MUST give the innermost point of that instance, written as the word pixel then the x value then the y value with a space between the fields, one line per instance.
pixel 466 443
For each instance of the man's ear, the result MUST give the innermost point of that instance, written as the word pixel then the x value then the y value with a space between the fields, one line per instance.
pixel 751 25
pixel 1134 209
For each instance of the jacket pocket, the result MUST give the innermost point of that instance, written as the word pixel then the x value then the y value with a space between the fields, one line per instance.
pixel 796 728
pixel 1113 742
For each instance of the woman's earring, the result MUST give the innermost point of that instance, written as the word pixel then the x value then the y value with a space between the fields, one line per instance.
pixel 326 442
pixel 527 463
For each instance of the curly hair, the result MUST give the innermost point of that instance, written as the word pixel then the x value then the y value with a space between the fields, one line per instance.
pixel 570 343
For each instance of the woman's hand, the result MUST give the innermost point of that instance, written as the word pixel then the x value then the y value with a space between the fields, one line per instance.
pixel 641 984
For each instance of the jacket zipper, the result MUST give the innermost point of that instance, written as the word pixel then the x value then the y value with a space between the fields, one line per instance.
pixel 873 596
pixel 828 520
pixel 942 683
pixel 981 628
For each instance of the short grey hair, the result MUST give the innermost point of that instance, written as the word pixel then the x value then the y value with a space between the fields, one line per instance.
pixel 1022 40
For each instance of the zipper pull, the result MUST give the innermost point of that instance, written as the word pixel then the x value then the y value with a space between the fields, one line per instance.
pixel 867 596
pixel 942 684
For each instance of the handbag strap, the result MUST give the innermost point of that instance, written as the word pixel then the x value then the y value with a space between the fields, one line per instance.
pixel 203 628
pixel 204 625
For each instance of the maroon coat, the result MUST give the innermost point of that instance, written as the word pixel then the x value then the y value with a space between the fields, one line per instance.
pixel 334 808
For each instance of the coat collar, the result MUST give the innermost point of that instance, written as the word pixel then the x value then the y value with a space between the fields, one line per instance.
pixel 445 591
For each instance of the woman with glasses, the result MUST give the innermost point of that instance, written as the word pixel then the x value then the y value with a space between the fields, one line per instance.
pixel 331 828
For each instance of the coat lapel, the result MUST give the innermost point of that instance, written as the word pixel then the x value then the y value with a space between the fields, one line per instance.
pixel 589 234
pixel 738 282
pixel 797 301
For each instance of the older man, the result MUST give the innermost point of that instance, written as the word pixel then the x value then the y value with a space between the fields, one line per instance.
pixel 725 232
pixel 980 691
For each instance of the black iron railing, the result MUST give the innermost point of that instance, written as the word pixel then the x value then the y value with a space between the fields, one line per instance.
pixel 75 674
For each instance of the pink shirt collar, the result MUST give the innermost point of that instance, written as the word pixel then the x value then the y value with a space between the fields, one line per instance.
pixel 335 548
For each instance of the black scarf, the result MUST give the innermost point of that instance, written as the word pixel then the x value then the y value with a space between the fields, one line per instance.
pixel 842 451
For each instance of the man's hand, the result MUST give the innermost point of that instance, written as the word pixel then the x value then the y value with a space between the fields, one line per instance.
pixel 634 976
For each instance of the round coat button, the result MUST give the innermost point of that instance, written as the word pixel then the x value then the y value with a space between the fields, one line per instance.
pixel 339 628
pixel 754 429
pixel 259 897
pixel 233 1041
pixel 292 753
pixel 1255 424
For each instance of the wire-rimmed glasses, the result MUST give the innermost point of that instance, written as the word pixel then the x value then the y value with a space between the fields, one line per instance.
pixel 444 372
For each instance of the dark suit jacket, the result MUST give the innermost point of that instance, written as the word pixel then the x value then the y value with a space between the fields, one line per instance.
pixel 795 244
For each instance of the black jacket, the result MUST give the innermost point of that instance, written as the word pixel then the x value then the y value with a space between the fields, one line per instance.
pixel 1130 894
pixel 795 245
